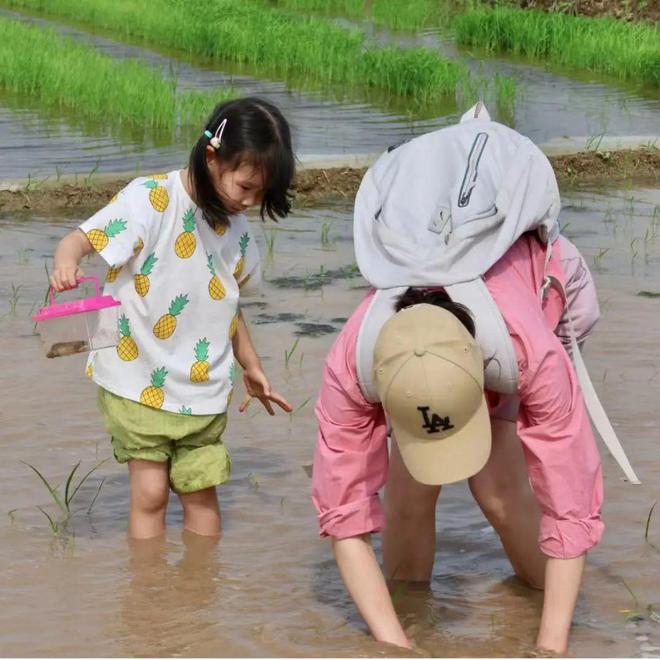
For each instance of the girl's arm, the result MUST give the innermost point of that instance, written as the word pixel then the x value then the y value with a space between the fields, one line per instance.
pixel 365 582
pixel 562 582
pixel 244 350
pixel 256 383
pixel 68 254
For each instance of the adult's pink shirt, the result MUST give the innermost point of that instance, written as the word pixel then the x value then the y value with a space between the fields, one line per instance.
pixel 351 458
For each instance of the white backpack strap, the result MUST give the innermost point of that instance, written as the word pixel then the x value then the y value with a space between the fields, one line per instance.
pixel 500 363
pixel 595 408
pixel 379 311
pixel 591 400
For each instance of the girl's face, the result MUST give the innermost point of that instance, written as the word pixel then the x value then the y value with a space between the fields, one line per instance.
pixel 239 189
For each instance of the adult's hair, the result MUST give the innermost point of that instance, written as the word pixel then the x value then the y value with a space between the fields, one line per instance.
pixel 438 297
pixel 257 134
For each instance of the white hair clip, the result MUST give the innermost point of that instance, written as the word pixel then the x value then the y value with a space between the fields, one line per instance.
pixel 216 139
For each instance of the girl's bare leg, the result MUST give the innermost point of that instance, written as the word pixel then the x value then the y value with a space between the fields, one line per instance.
pixel 504 495
pixel 201 512
pixel 409 535
pixel 150 489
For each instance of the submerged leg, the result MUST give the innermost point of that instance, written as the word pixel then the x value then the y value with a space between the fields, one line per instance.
pixel 150 489
pixel 503 493
pixel 409 535
pixel 201 512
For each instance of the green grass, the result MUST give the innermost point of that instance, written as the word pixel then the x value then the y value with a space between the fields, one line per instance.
pixel 61 73
pixel 627 51
pixel 277 43
pixel 397 15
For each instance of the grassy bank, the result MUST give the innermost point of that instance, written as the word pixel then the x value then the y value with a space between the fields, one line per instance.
pixel 628 51
pixel 59 72
pixel 276 42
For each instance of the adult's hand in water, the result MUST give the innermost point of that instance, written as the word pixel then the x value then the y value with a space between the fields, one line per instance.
pixel 258 387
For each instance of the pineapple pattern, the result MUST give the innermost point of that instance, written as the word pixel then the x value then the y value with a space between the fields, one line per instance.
pixel 163 356
pixel 185 244
pixel 166 324
pixel 158 196
pixel 216 287
pixel 233 326
pixel 199 371
pixel 139 245
pixel 232 381
pixel 141 279
pixel 243 245
pixel 154 395
pixel 113 273
pixel 99 238
pixel 127 349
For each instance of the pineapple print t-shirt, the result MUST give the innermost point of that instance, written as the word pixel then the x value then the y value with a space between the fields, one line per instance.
pixel 178 281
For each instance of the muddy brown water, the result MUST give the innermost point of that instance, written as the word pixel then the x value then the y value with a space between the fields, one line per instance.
pixel 550 103
pixel 270 587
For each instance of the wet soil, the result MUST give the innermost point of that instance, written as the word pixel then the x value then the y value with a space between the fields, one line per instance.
pixel 630 10
pixel 314 186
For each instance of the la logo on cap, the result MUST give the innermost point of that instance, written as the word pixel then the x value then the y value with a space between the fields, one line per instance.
pixel 436 423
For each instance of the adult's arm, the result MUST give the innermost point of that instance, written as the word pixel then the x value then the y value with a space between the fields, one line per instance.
pixel 365 582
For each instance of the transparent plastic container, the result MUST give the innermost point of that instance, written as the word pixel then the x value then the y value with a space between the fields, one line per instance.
pixel 78 326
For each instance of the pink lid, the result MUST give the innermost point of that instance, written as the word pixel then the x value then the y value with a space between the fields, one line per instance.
pixel 94 304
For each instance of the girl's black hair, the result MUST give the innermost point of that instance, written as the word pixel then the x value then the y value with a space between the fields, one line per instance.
pixel 256 133
pixel 439 298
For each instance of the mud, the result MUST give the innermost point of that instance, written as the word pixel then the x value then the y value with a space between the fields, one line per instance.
pixel 317 186
pixel 628 10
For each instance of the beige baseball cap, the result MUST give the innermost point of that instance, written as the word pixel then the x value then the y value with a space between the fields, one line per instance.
pixel 429 375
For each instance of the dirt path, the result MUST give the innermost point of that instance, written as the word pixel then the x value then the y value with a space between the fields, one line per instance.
pixel 316 185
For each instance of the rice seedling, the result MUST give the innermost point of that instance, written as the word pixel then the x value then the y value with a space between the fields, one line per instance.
pixel 14 297
pixel 310 50
pixel 88 178
pixel 325 234
pixel 64 501
pixel 628 51
pixel 633 250
pixel 631 614
pixel 296 410
pixel 67 75
pixel 270 244
pixel 598 257
pixel 288 353
pixel 253 480
pixel 593 142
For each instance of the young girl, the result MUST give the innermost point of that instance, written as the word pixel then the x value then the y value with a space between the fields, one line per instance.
pixel 180 252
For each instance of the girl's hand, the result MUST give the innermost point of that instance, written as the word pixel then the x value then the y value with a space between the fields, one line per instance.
pixel 65 276
pixel 258 387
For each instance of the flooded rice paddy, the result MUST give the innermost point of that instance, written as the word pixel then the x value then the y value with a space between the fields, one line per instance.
pixel 270 587
pixel 550 104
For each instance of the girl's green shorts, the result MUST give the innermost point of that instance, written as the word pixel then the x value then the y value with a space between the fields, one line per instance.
pixel 192 444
